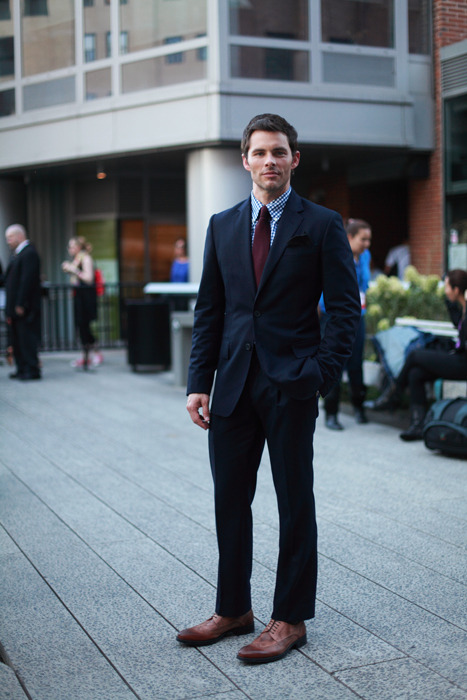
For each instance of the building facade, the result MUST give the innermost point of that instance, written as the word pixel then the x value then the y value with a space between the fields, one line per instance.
pixel 121 120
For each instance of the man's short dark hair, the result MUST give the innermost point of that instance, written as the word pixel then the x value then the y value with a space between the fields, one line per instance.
pixel 269 122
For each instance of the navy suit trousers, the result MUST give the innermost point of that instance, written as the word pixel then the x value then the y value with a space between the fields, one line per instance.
pixel 265 414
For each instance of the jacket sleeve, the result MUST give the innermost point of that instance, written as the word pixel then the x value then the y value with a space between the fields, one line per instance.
pixel 29 273
pixel 342 302
pixel 208 321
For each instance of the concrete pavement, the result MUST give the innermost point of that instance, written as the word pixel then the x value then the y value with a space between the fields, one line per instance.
pixel 107 548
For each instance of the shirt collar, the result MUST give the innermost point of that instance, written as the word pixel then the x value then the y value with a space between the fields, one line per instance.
pixel 275 208
pixel 20 247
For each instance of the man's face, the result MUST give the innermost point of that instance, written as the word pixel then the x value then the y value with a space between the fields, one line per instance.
pixel 270 162
pixel 12 240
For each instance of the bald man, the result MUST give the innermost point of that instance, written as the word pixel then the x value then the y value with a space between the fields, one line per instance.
pixel 23 303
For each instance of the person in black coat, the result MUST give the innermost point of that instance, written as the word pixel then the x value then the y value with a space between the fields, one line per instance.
pixel 23 303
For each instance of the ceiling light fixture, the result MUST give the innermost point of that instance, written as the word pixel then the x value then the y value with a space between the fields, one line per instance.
pixel 100 173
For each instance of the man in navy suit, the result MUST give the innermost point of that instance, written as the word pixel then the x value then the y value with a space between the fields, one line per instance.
pixel 23 303
pixel 259 332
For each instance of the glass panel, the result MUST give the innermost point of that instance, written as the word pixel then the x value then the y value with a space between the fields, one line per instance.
pixel 5 9
pixel 149 24
pixel 54 92
pixel 98 84
pixel 269 18
pixel 7 56
pixel 162 239
pixel 358 70
pixel 362 22
pixel 156 72
pixel 456 140
pixel 96 24
pixel 48 35
pixel 7 103
pixel 419 24
pixel 269 64
pixel 132 251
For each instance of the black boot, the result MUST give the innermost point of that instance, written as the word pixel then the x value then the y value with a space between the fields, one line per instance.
pixel 332 423
pixel 417 420
pixel 387 401
pixel 360 415
pixel 358 395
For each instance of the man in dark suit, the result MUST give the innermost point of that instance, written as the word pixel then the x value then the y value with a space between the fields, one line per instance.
pixel 23 303
pixel 258 328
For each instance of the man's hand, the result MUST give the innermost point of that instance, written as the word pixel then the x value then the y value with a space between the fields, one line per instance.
pixel 197 406
pixel 19 310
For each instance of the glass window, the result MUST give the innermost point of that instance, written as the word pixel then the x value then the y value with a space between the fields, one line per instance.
pixel 96 23
pixel 89 47
pixel 156 72
pixel 419 26
pixel 456 142
pixel 202 53
pixel 173 57
pixel 5 10
pixel 269 64
pixel 7 103
pixel 123 43
pixel 48 42
pixel 88 3
pixel 7 53
pixel 150 23
pixel 35 8
pixel 360 22
pixel 356 69
pixel 265 18
pixel 48 94
pixel 98 84
pixel 7 62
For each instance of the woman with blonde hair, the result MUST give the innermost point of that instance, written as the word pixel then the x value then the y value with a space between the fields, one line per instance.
pixel 82 277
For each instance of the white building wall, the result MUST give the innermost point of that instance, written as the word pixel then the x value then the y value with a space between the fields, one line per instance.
pixel 216 180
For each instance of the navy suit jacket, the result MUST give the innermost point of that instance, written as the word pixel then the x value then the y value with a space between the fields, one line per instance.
pixel 23 283
pixel 310 254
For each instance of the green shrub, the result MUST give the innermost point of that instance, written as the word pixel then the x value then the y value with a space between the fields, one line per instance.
pixel 389 298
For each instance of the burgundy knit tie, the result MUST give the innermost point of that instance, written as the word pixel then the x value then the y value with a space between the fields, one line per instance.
pixel 261 242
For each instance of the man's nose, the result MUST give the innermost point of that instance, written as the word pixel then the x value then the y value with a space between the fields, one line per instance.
pixel 270 159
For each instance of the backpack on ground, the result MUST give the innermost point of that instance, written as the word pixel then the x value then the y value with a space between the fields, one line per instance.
pixel 445 427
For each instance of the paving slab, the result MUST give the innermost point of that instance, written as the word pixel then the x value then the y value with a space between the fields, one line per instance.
pixel 106 520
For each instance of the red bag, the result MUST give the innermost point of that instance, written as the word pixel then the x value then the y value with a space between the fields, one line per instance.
pixel 99 282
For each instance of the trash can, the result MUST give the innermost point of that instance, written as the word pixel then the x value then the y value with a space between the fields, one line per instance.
pixel 148 331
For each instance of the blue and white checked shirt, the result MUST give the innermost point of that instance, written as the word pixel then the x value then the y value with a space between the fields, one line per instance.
pixel 275 208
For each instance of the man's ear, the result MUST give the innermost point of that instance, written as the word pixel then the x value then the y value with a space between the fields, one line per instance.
pixel 245 163
pixel 295 159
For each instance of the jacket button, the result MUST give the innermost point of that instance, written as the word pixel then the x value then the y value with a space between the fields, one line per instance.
pixel 247 346
pixel 257 314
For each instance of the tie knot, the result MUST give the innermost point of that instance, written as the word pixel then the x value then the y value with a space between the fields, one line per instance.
pixel 264 213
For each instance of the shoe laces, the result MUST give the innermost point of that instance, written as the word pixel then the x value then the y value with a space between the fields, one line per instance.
pixel 272 626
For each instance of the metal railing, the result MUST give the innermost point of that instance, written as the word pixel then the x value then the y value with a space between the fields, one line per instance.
pixel 58 325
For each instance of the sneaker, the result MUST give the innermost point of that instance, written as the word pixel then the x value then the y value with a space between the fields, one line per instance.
pixel 97 359
pixel 77 363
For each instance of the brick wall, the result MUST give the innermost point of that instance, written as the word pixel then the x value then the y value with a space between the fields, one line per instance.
pixel 426 198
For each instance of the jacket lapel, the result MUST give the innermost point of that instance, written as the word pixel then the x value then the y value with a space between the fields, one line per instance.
pixel 242 242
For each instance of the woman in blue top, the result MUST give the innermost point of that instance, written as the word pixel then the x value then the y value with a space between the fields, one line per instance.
pixel 359 235
pixel 180 265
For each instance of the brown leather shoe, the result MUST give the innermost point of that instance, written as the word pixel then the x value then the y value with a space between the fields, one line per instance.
pixel 217 627
pixel 274 642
